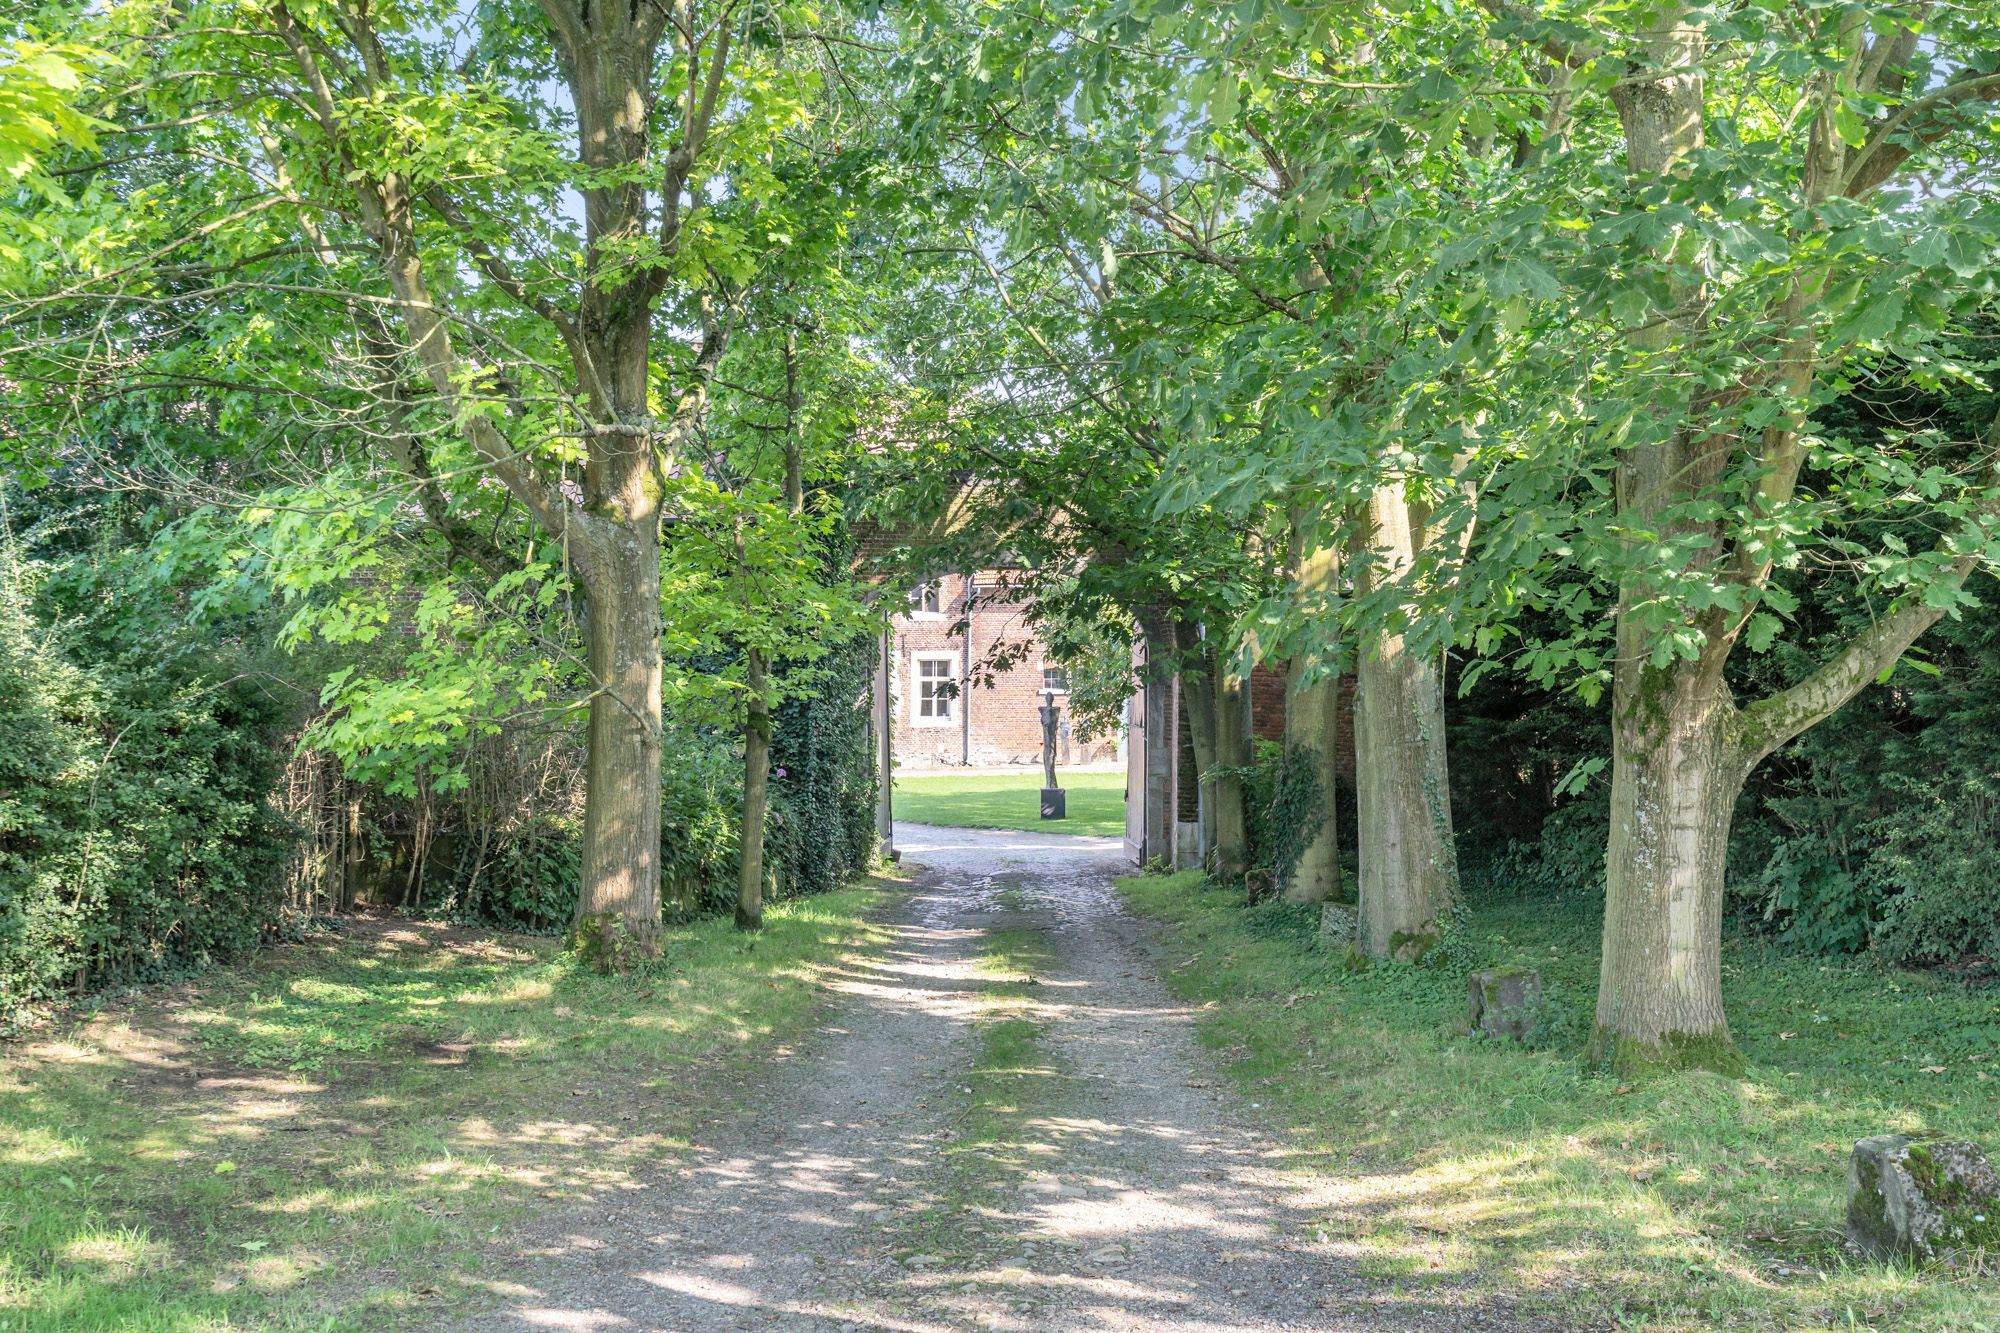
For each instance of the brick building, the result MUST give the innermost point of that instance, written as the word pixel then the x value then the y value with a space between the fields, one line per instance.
pixel 966 675
pixel 963 684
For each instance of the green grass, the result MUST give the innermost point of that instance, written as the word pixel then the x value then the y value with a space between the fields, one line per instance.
pixel 1691 1201
pixel 337 1134
pixel 1000 1129
pixel 1012 800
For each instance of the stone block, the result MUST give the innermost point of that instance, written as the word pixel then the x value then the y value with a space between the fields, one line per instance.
pixel 1921 1198
pixel 1336 925
pixel 1502 1002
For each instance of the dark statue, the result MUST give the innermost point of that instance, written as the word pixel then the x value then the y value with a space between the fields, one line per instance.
pixel 1055 804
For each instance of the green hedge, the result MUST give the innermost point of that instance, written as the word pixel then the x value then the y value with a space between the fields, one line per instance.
pixel 135 837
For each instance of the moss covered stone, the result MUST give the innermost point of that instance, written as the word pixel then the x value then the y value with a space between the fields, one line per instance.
pixel 1337 923
pixel 1922 1199
pixel 1504 1001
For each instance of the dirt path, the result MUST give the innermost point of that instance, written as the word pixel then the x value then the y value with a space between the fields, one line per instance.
pixel 1136 1195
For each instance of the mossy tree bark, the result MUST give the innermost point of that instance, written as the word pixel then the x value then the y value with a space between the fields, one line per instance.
pixel 1232 755
pixel 618 909
pixel 1408 859
pixel 1676 772
pixel 1312 724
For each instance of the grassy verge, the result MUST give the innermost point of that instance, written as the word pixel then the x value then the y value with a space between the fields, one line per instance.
pixel 334 1135
pixel 1013 1078
pixel 1012 800
pixel 1688 1202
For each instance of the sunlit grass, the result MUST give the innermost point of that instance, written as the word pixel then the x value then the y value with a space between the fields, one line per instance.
pixel 339 1134
pixel 1011 799
pixel 1686 1202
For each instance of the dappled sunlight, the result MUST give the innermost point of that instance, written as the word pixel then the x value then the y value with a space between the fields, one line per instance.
pixel 996 1137
pixel 116 1255
pixel 321 1201
pixel 374 1103
pixel 68 1051
pixel 33 1146
pixel 272 1273
pixel 1447 1162
pixel 572 1321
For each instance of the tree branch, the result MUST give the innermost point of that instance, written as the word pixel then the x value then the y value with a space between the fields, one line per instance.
pixel 1878 158
pixel 1768 723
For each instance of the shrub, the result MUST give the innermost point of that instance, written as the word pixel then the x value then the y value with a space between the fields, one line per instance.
pixel 136 839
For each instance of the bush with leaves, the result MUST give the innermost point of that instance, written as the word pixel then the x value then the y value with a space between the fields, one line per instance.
pixel 136 838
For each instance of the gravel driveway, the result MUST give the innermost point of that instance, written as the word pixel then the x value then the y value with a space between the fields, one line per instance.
pixel 1144 1199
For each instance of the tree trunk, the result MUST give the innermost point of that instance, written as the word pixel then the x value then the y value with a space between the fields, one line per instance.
pixel 756 792
pixel 1312 724
pixel 353 853
pixel 1232 755
pixel 618 910
pixel 1409 861
pixel 1676 772
pixel 756 682
pixel 1198 692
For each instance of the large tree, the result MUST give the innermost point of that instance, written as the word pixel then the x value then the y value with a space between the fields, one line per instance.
pixel 498 241
pixel 1762 205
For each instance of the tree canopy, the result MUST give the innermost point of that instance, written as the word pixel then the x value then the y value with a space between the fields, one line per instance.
pixel 537 359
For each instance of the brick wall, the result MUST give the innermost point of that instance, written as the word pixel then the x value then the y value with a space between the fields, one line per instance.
pixel 1267 703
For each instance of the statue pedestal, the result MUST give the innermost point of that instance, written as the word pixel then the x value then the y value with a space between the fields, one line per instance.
pixel 1055 803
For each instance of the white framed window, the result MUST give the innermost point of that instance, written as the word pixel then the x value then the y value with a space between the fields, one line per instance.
pixel 934 698
pixel 927 601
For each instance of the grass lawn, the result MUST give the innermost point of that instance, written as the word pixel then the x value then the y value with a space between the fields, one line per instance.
pixel 1012 800
pixel 1691 1201
pixel 336 1134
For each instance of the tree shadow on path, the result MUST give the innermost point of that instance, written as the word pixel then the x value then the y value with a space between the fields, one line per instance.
pixel 1113 1185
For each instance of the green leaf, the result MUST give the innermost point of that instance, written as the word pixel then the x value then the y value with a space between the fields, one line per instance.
pixel 1762 630
pixel 1852 130
pixel 1226 101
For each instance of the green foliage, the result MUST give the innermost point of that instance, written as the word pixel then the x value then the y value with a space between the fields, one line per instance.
pixel 823 776
pixel 701 823
pixel 528 884
pixel 135 840
pixel 1565 857
pixel 1097 658
pixel 1282 808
